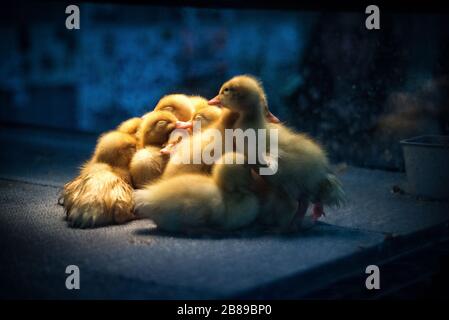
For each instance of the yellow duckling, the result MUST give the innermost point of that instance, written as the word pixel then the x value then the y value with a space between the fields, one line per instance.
pixel 148 163
pixel 303 169
pixel 102 193
pixel 189 202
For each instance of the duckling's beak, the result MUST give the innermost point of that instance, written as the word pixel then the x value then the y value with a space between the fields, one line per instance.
pixel 272 118
pixel 168 149
pixel 184 125
pixel 170 146
pixel 215 101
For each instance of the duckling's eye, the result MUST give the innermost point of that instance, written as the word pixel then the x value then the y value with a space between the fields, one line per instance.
pixel 226 90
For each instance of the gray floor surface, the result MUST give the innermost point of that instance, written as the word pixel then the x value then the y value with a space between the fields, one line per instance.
pixel 136 261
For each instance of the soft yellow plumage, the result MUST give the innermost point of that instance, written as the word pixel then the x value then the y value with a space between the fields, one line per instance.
pixel 187 202
pixel 102 193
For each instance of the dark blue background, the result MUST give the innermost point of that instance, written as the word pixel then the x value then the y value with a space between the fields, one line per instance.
pixel 357 91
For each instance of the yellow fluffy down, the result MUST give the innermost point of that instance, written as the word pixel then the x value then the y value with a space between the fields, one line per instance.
pixel 180 203
pixel 187 202
pixel 303 169
pixel 130 126
pixel 102 193
pixel 98 196
pixel 146 166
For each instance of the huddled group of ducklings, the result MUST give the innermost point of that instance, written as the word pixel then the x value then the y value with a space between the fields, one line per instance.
pixel 132 174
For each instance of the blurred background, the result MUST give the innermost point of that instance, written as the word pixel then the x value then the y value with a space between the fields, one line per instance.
pixel 357 91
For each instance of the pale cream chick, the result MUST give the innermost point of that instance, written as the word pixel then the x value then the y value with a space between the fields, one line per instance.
pixel 303 169
pixel 102 193
pixel 244 96
pixel 188 202
pixel 148 163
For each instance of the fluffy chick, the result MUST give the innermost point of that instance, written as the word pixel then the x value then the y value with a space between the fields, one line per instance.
pixel 189 202
pixel 303 169
pixel 148 163
pixel 102 193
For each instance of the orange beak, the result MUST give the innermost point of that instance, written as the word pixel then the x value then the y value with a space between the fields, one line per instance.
pixel 272 118
pixel 184 124
pixel 215 101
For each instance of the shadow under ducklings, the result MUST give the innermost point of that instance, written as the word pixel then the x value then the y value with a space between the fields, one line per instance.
pixel 254 231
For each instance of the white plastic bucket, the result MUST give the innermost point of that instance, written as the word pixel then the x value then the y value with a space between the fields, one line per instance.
pixel 427 165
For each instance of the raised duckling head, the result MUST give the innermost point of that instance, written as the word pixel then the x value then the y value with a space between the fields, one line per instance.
pixel 156 128
pixel 179 105
pixel 115 148
pixel 244 94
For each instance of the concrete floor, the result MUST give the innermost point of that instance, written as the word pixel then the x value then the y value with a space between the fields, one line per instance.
pixel 136 261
